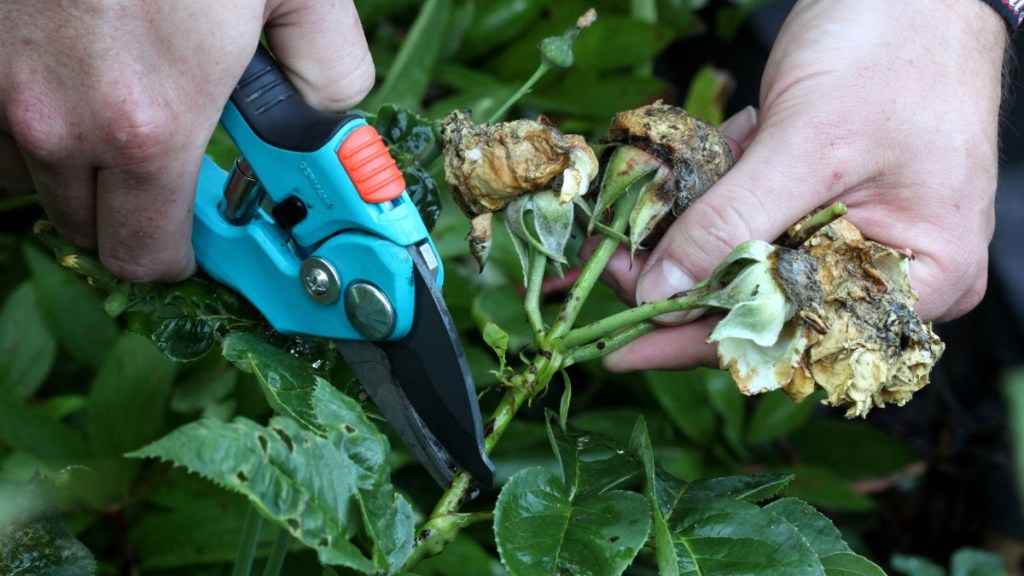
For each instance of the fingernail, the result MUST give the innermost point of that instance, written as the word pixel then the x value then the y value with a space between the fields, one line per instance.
pixel 741 125
pixel 664 280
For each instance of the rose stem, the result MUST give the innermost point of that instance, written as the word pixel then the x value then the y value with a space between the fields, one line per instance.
pixel 534 282
pixel 610 343
pixel 605 327
pixel 591 272
pixel 441 527
pixel 802 231
pixel 542 69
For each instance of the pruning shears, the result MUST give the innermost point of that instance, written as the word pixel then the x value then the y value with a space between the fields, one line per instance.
pixel 314 227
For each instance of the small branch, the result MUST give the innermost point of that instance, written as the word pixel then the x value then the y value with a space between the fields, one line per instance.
pixel 605 327
pixel 609 344
pixel 802 231
pixel 523 90
pixel 534 283
pixel 445 521
pixel 592 270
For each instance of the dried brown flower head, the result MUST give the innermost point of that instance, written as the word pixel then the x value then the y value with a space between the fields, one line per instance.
pixel 487 166
pixel 694 153
pixel 836 314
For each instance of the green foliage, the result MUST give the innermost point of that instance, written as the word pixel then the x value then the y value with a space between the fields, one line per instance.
pixel 33 539
pixel 322 473
pixel 28 347
pixel 964 562
pixel 635 474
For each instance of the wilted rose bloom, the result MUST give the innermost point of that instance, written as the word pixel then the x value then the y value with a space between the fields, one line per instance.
pixel 836 314
pixel 488 166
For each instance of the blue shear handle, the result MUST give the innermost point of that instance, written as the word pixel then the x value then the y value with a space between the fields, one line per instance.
pixel 293 151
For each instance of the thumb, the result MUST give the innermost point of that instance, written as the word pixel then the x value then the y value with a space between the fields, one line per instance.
pixel 322 48
pixel 759 198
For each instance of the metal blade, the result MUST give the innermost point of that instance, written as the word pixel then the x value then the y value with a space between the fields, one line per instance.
pixel 423 387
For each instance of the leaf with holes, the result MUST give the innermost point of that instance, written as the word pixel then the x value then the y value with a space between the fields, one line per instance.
pixel 325 488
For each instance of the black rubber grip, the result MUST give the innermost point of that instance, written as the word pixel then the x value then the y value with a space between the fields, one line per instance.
pixel 276 112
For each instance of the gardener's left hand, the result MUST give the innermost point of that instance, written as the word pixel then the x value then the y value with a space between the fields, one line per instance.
pixel 861 104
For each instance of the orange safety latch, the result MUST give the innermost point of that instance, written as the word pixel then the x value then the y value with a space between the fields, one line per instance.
pixel 370 166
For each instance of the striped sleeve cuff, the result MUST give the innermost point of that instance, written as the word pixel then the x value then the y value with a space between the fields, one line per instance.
pixel 1011 10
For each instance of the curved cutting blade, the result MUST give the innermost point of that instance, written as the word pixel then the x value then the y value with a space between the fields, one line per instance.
pixel 422 385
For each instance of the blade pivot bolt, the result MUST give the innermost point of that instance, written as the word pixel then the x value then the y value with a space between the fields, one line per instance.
pixel 320 280
pixel 369 311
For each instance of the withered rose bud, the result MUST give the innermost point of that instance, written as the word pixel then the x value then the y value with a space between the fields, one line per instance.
pixel 694 153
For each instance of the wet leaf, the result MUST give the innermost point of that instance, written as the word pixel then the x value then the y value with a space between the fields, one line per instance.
pixel 35 541
pixel 424 193
pixel 407 134
pixel 590 462
pixel 819 532
pixel 289 384
pixel 747 487
pixel 540 528
pixel 850 564
pixel 410 139
pixel 824 539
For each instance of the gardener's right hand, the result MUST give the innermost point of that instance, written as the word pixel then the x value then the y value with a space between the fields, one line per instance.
pixel 106 107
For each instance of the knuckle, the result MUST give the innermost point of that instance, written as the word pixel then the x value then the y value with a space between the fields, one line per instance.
pixel 136 131
pixel 38 128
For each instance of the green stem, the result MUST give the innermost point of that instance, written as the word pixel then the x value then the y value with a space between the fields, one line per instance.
pixel 534 282
pixel 605 327
pixel 445 521
pixel 592 270
pixel 276 559
pixel 251 529
pixel 609 344
pixel 803 230
pixel 499 115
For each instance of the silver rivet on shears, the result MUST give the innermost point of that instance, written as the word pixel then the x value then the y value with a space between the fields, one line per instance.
pixel 320 280
pixel 369 311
